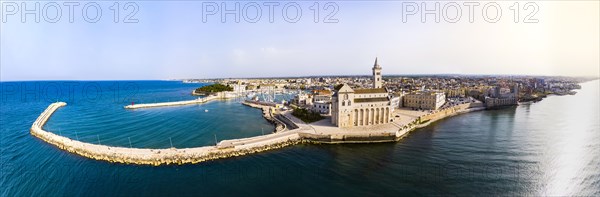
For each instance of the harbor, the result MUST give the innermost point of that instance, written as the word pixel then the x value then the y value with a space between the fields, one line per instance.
pixel 318 132
pixel 345 115
pixel 471 140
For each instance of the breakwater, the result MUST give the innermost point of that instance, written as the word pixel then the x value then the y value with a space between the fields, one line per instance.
pixel 175 103
pixel 217 96
pixel 156 157
pixel 223 149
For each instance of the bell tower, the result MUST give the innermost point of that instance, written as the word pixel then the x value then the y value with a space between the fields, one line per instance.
pixel 377 81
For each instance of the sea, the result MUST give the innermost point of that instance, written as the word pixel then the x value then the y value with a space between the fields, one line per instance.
pixel 550 147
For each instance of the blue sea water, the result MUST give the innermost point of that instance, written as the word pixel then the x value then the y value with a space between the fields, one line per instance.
pixel 546 148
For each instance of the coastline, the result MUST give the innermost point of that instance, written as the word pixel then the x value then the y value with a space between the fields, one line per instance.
pixel 305 133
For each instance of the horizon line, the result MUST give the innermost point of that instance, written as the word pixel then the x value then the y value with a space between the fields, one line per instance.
pixel 307 76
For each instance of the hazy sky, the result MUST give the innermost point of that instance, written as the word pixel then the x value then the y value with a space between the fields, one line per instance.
pixel 171 41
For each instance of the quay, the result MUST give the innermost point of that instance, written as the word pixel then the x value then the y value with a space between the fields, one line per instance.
pixel 267 109
pixel 318 132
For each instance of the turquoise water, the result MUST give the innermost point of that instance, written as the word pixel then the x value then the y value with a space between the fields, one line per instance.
pixel 546 148
pixel 98 116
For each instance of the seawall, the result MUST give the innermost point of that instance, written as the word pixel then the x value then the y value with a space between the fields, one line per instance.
pixel 427 119
pixel 156 157
pixel 175 103
pixel 220 95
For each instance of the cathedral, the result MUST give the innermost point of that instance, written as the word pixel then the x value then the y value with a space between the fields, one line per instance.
pixel 362 107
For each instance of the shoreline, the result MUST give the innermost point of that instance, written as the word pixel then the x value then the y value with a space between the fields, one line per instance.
pixel 304 133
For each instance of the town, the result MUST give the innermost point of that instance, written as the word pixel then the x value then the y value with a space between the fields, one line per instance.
pixel 333 110
pixel 415 92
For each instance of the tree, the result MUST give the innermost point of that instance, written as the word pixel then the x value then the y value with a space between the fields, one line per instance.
pixel 338 86
pixel 214 88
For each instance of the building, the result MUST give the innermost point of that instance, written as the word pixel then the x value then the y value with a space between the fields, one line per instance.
pixel 238 87
pixel 321 95
pixel 267 87
pixel 499 102
pixel 322 107
pixel 377 81
pixel 303 99
pixel 395 101
pixel 321 101
pixel 503 97
pixel 455 92
pixel 361 107
pixel 424 100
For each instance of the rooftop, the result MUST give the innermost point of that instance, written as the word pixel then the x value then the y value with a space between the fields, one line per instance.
pixel 370 91
pixel 322 92
pixel 425 93
pixel 366 100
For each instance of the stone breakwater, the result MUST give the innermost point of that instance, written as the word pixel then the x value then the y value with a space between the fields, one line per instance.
pixel 224 149
pixel 157 157
pixel 175 103
pixel 219 95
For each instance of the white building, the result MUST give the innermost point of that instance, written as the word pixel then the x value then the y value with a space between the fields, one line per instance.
pixel 239 88
pixel 322 107
pixel 303 99
pixel 424 100
pixel 321 101
pixel 395 101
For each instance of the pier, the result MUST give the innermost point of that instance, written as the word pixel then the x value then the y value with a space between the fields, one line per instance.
pixel 318 132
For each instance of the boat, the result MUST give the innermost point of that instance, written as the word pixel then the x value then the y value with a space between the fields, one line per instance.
pixel 206 110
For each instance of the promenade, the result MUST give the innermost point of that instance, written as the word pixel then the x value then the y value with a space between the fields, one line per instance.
pixel 318 132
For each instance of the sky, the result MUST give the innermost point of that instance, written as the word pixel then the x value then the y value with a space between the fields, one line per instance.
pixel 172 40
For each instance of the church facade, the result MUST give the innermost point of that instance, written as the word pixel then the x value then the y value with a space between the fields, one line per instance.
pixel 362 107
